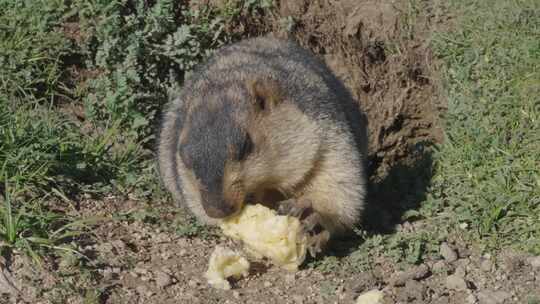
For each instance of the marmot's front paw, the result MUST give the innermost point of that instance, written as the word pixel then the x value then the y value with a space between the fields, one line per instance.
pixel 311 221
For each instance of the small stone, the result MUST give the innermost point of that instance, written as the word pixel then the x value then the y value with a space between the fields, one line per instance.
pixel 456 282
pixel 440 266
pixel 163 279
pixel 471 299
pixel 267 284
pixel 290 278
pixel 105 247
pixel 493 297
pixel 399 278
pixel 460 272
pixel 298 299
pixel 485 265
pixel 448 253
pixel 420 272
pixel 415 290
pixel 142 290
pixel 108 274
pixel 236 294
pixel 374 296
pixel 119 244
pixel 442 300
pixel 534 261
pixel 140 270
pixel 166 255
pixel 193 283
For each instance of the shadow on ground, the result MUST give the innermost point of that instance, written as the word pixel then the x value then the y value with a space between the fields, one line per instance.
pixel 403 188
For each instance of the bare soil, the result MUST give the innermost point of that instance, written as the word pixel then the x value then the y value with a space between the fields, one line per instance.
pixel 381 51
pixel 138 259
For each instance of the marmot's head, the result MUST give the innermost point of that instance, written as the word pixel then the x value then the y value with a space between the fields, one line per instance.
pixel 243 139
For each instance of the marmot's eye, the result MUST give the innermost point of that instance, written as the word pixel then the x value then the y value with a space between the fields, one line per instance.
pixel 246 149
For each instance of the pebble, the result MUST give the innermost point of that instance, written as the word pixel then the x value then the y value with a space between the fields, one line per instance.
pixel 534 261
pixel 143 290
pixel 298 299
pixel 139 270
pixel 456 282
pixel 420 272
pixel 417 273
pixel 399 278
pixel 415 290
pixel 440 266
pixel 236 294
pixel 493 297
pixel 163 279
pixel 448 253
pixel 166 255
pixel 267 284
pixel 460 272
pixel 485 265
pixel 374 296
pixel 290 278
pixel 119 244
pixel 471 299
pixel 108 274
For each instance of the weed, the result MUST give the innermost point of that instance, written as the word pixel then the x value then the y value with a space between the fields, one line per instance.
pixel 145 51
pixel 533 300
pixel 328 264
pixel 30 52
pixel 34 230
pixel 189 226
pixel 328 289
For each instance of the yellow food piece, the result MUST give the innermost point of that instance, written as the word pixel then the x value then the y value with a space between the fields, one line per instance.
pixel 267 234
pixel 371 297
pixel 225 263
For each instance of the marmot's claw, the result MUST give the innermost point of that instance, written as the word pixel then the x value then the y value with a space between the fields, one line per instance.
pixel 296 208
pixel 311 221
pixel 317 243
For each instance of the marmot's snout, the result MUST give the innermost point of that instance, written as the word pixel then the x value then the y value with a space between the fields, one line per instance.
pixel 219 208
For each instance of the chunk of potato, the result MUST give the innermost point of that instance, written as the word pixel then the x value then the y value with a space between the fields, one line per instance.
pixel 225 263
pixel 267 234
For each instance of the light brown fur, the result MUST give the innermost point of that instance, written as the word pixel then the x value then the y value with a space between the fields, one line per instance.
pixel 308 149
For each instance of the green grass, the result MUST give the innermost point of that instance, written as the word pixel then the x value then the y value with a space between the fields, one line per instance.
pixel 486 185
pixel 129 55
pixel 488 170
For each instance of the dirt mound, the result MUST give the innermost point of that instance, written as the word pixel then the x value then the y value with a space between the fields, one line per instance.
pixel 386 63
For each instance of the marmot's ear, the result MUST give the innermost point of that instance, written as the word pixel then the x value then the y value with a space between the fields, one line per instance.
pixel 266 93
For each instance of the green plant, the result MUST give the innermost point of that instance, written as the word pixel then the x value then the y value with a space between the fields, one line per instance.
pixel 327 264
pixel 34 230
pixel 189 226
pixel 30 51
pixel 143 52
pixel 487 171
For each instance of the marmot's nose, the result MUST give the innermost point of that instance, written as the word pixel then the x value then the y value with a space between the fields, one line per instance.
pixel 219 208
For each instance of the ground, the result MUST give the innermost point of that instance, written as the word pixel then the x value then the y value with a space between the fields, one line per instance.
pixel 418 242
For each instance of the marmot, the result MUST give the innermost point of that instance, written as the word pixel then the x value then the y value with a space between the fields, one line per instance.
pixel 264 120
